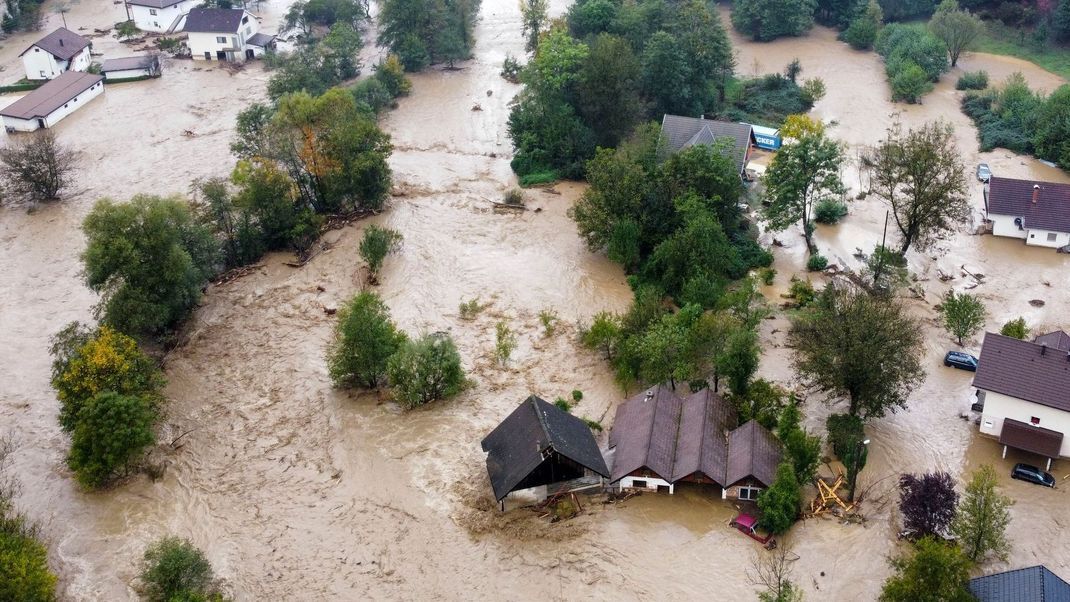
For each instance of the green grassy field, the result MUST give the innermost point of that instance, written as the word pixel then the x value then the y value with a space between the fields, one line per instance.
pixel 998 39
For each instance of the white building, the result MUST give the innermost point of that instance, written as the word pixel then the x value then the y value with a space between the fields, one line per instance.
pixel 1037 212
pixel 58 52
pixel 1024 388
pixel 45 106
pixel 131 67
pixel 160 16
pixel 225 35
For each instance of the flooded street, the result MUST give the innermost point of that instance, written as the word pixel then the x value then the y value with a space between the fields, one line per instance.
pixel 297 491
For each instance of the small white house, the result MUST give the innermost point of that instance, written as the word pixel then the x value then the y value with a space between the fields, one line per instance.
pixel 1024 390
pixel 45 106
pixel 224 35
pixel 1036 212
pixel 58 52
pixel 131 67
pixel 160 16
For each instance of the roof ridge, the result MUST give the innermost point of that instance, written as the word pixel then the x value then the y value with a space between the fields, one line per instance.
pixel 534 399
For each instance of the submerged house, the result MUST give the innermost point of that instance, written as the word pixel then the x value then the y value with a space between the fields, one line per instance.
pixel 58 52
pixel 160 16
pixel 540 444
pixel 1024 390
pixel 1033 584
pixel 681 133
pixel 45 106
pixel 1037 212
pixel 661 439
pixel 131 68
pixel 225 34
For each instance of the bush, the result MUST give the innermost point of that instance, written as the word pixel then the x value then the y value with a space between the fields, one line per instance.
pixel 910 83
pixel 802 291
pixel 563 404
pixel 816 263
pixel 112 432
pixel 514 196
pixel 24 573
pixel 862 32
pixel 829 211
pixel 376 244
pixel 426 370
pixel 539 178
pixel 175 570
pixel 511 69
pixel 763 402
pixel 913 59
pixel 1015 328
pixel 36 167
pixel 766 275
pixel 504 342
pixel 549 320
pixel 604 334
pixel 469 309
pixel 577 395
pixel 365 339
pixel 779 504
pixel 973 80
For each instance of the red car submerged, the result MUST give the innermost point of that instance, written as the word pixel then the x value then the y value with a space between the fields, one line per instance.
pixel 748 525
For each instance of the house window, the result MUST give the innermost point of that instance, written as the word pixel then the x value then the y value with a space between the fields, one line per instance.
pixel 639 484
pixel 1051 236
pixel 244 20
pixel 749 493
pixel 155 24
pixel 64 106
pixel 37 50
pixel 221 39
pixel 1034 420
pixel 43 73
pixel 152 11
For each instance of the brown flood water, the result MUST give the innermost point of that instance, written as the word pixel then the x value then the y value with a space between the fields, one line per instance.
pixel 299 492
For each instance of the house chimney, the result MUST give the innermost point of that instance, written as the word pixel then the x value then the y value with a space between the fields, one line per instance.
pixel 61 43
pixel 1036 193
pixel 1043 348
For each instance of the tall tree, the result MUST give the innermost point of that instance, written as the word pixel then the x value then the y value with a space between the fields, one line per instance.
pixel 36 168
pixel 927 503
pixel 608 89
pixel 964 314
pixel 932 572
pixel 667 77
pixel 921 176
pixel 982 519
pixel 803 449
pixel 956 28
pixel 802 174
pixel 364 340
pixel 533 14
pixel 859 346
pixel 862 32
pixel 705 44
pixel 779 503
pixel 766 20
pixel 739 360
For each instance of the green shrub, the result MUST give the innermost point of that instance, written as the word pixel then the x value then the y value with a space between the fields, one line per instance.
pixel 470 309
pixel 112 432
pixel 539 178
pixel 1015 328
pixel 577 395
pixel 779 504
pixel 511 69
pixel 549 320
pixel 426 370
pixel 594 425
pixel 24 572
pixel 605 334
pixel 910 83
pixel 862 32
pixel 563 404
pixel 513 196
pixel 816 263
pixel 829 211
pixel 172 570
pixel 766 275
pixel 504 342
pixel 802 291
pixel 376 244
pixel 364 340
pixel 973 80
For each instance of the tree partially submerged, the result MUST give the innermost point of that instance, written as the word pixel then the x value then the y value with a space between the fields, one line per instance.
pixel 111 434
pixel 365 339
pixel 983 516
pixel 36 167
pixel 174 569
pixel 927 503
pixel 533 15
pixel 376 244
pixel 426 370
pixel 956 28
pixel 964 314
pixel 932 572
pixel 772 573
pixel 779 503
pixel 24 572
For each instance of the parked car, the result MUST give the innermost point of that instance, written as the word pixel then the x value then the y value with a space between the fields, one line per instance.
pixel 1027 472
pixel 748 525
pixel 961 360
pixel 983 172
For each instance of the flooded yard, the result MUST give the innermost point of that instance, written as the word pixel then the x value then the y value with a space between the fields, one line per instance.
pixel 297 491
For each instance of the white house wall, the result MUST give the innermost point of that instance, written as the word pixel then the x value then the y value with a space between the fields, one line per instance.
pixel 1003 225
pixel 40 65
pixel 1040 238
pixel 999 406
pixel 652 483
pixel 164 18
pixel 29 125
pixel 127 73
pixel 235 46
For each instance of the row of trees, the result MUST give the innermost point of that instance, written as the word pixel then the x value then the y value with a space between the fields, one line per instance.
pixel 425 32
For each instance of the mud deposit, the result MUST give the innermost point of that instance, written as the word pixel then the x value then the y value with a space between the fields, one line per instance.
pixel 299 492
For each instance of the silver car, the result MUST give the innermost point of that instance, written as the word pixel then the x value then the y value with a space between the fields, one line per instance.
pixel 983 172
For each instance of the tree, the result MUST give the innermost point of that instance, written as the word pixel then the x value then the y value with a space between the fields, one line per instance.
pixel 1060 21
pixel 173 569
pixel 764 403
pixel 847 436
pixel 964 314
pixel 766 20
pixel 1015 328
pixel 422 32
pixel 862 32
pixel 779 503
pixel 365 339
pixel 802 174
pixel 667 76
pixel 793 70
pixel 982 519
pixel 802 449
pixel 665 350
pixel 533 14
pixel 910 83
pixel 1052 128
pixel 24 572
pixel 86 363
pixel 955 27
pixel 376 244
pixel 739 360
pixel 604 334
pixel 37 167
pixel 426 370
pixel 608 89
pixel 927 503
pixel 932 572
pixel 862 347
pixel 149 261
pixel 126 29
pixel 270 212
pixel 772 572
pixel 921 176
pixel 112 431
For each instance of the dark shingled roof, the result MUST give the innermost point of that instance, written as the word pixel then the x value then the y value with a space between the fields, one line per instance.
pixel 1009 196
pixel 677 437
pixel 1056 339
pixel 128 62
pixel 1024 370
pixel 1034 584
pixel 685 132
pixel 529 436
pixel 260 39
pixel 1031 438
pixel 51 96
pixel 213 20
pixel 62 44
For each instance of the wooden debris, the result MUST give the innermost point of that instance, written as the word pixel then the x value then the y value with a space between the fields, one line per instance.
pixel 232 275
pixel 829 500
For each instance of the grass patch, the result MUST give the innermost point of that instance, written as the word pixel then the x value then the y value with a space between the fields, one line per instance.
pixel 1019 43
pixel 539 178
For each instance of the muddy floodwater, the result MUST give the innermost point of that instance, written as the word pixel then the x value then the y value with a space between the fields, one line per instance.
pixel 297 491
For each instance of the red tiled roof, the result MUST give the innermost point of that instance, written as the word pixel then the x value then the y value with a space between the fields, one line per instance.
pixel 1009 196
pixel 1025 370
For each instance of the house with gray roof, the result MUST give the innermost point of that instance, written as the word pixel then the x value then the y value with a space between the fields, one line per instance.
pixel 131 68
pixel 1033 584
pixel 1036 212
pixel 661 438
pixel 58 52
pixel 681 133
pixel 45 106
pixel 1024 390
pixel 159 16
pixel 225 34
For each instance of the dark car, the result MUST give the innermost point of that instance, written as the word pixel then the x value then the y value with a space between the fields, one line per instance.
pixel 1026 472
pixel 983 172
pixel 958 359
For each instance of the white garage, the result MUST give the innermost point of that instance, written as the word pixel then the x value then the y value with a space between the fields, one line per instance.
pixel 47 105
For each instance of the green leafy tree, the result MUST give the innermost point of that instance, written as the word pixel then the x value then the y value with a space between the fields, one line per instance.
pixel 1060 21
pixel 910 83
pixel 766 20
pixel 608 89
pixel 1052 129
pixel 666 76
pixel 1015 328
pixel 365 339
pixel 862 32
pixel 802 175
pixel 376 244
pixel 779 503
pixel 846 435
pixel 149 260
pixel 932 572
pixel 666 351
pixel 24 572
pixel 426 370
pixel 983 516
pixel 267 201
pixel 921 176
pixel 340 49
pixel 764 403
pixel 173 569
pixel 956 28
pixel 604 334
pixel 964 314
pixel 865 348
pixel 112 431
pixel 739 360
pixel 802 449
pixel 533 13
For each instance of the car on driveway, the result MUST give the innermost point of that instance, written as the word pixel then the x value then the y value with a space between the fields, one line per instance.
pixel 983 172
pixel 961 360
pixel 1028 472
